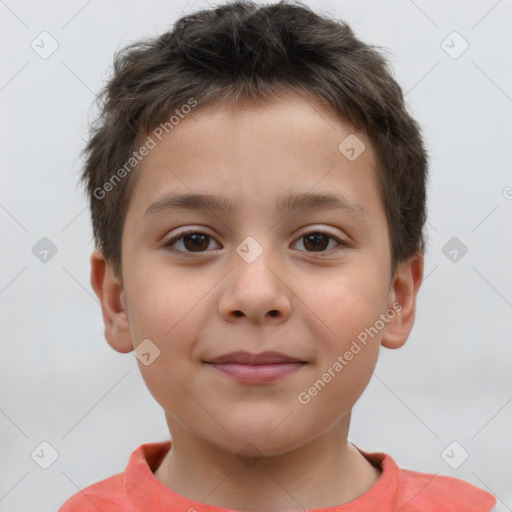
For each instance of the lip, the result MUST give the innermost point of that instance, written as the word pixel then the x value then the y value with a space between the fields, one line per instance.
pixel 256 368
pixel 247 358
pixel 257 373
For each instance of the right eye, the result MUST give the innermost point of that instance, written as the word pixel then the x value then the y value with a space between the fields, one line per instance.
pixel 192 240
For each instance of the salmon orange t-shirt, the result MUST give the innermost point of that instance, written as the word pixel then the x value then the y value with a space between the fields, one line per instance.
pixel 137 490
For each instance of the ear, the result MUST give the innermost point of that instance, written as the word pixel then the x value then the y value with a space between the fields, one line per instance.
pixel 403 291
pixel 110 292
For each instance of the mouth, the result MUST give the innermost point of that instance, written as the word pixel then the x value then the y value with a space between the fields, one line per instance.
pixel 256 368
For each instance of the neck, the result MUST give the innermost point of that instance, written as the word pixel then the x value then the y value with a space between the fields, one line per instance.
pixel 325 472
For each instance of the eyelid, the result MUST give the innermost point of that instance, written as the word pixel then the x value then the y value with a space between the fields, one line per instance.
pixel 324 231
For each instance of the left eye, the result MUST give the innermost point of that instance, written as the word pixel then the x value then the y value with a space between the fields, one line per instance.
pixel 318 241
pixel 197 242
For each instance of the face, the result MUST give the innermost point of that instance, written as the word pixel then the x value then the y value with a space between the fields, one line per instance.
pixel 302 278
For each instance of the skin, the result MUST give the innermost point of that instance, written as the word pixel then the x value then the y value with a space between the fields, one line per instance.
pixel 305 302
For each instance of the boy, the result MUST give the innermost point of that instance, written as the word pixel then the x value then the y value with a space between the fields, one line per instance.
pixel 227 150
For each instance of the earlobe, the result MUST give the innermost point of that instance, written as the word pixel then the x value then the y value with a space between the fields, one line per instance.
pixel 111 295
pixel 403 292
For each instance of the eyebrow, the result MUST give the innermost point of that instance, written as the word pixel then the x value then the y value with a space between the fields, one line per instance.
pixel 289 201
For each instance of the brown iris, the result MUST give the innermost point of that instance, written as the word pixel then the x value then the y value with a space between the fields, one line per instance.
pixel 318 241
pixel 196 241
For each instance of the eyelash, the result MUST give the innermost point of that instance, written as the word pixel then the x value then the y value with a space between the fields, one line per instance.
pixel 191 231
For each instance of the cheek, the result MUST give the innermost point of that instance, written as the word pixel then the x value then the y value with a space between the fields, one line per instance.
pixel 345 309
pixel 164 303
pixel 344 305
pixel 165 310
pixel 168 309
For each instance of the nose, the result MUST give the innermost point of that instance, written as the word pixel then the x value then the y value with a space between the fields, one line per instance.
pixel 256 291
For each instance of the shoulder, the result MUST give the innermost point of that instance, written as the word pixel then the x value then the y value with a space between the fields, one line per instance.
pixel 103 495
pixel 412 491
pixel 424 491
pixel 134 489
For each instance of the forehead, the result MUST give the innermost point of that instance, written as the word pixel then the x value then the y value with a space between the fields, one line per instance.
pixel 257 152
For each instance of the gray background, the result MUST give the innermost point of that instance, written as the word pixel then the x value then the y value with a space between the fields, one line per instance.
pixel 59 380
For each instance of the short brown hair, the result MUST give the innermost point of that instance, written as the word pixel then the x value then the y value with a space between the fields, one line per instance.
pixel 247 52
